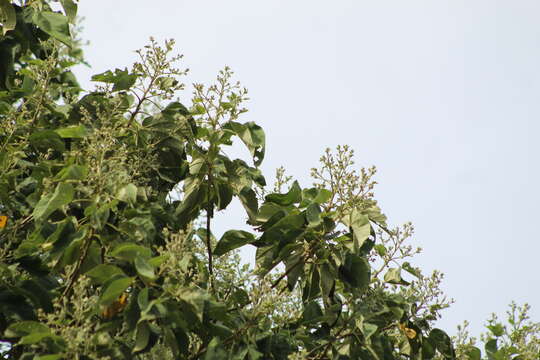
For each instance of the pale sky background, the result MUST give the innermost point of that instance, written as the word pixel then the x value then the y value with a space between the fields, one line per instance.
pixel 442 96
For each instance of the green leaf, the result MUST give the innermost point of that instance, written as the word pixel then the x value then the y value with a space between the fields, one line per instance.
pixel 313 214
pixel 62 195
pixel 49 357
pixel 411 270
pixel 121 79
pixel 70 8
pixel 47 139
pixel 73 132
pixel 252 135
pixel 312 313
pixel 393 276
pixel 23 328
pixel 35 338
pixel 142 336
pixel 360 226
pixel 114 290
pixel 103 272
pixel 72 172
pixel 231 240
pixel 474 353
pixel 128 251
pixel 491 348
pixel 294 195
pixel 442 342
pixel 7 16
pixel 380 249
pixel 497 329
pixel 54 24
pixel 128 194
pixel 355 271
pixel 144 269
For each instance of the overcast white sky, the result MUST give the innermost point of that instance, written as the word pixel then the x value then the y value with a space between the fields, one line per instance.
pixel 442 96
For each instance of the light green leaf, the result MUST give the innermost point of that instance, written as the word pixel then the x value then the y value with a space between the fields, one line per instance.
pixel 114 290
pixel 7 16
pixel 74 132
pixel 54 24
pixel 128 251
pixel 127 193
pixel 22 328
pixel 313 214
pixel 231 240
pixel 70 8
pixel 144 268
pixel 62 195
pixel 393 276
pixel 360 226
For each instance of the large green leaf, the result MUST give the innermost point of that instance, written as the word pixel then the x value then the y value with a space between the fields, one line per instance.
pixel 103 272
pixel 294 195
pixel 129 251
pixel 252 135
pixel 62 195
pixel 144 269
pixel 442 342
pixel 355 271
pixel 114 290
pixel 360 226
pixel 231 240
pixel 54 24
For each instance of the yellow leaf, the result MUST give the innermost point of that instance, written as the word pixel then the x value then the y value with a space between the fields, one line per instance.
pixel 3 221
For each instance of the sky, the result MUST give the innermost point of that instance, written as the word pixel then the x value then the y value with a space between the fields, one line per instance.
pixel 442 96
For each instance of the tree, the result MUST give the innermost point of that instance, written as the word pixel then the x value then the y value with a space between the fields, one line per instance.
pixel 108 196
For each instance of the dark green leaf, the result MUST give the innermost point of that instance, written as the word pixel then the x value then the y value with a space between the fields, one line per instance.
pixel 47 139
pixel 293 196
pixel 355 271
pixel 231 240
pixel 103 272
pixel 442 342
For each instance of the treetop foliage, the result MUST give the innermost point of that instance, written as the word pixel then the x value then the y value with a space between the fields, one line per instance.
pixel 107 199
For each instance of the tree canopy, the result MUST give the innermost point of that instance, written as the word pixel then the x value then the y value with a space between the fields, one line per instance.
pixel 107 245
